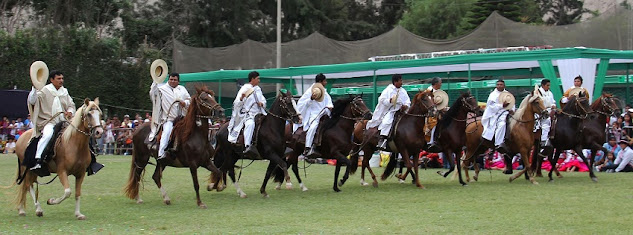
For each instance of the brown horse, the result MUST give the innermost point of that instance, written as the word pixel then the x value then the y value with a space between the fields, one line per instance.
pixel 270 142
pixel 451 128
pixel 336 139
pixel 72 157
pixel 590 124
pixel 193 149
pixel 407 138
pixel 521 134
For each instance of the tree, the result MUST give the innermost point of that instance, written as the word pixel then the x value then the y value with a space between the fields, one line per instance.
pixel 436 19
pixel 562 12
pixel 483 8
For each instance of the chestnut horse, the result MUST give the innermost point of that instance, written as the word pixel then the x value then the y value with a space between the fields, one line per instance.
pixel 270 143
pixel 193 148
pixel 336 139
pixel 72 157
pixel 407 138
pixel 521 135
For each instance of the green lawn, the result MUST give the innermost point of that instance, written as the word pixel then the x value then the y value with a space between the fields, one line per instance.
pixel 569 205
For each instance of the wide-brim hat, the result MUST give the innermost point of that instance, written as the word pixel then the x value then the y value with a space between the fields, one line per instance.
pixel 575 91
pixel 159 71
pixel 440 98
pixel 318 92
pixel 507 97
pixel 248 92
pixel 623 141
pixel 39 74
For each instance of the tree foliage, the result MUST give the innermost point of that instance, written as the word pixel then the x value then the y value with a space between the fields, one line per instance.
pixel 562 12
pixel 483 8
pixel 436 19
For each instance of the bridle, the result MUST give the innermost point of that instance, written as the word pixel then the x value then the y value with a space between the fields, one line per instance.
pixel 86 122
pixel 469 108
pixel 356 109
pixel 534 119
pixel 212 108
pixel 289 112
pixel 428 109
pixel 578 106
pixel 610 111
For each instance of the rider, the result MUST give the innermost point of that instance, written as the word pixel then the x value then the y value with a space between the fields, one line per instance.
pixel 494 118
pixel 392 99
pixel 245 108
pixel 549 102
pixel 164 96
pixel 434 146
pixel 577 84
pixel 51 105
pixel 313 104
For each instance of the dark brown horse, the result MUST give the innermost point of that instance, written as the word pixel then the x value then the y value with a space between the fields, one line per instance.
pixel 193 151
pixel 408 138
pixel 72 157
pixel 521 134
pixel 336 138
pixel 451 128
pixel 590 125
pixel 270 142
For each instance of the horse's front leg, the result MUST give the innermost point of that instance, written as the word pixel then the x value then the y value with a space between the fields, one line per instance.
pixel 366 159
pixel 38 207
pixel 449 157
pixel 78 181
pixel 416 163
pixel 196 186
pixel 347 163
pixel 587 162
pixel 294 163
pixel 158 173
pixel 240 193
pixel 63 178
pixel 275 161
pixel 526 163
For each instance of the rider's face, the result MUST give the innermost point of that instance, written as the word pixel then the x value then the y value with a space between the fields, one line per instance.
pixel 546 86
pixel 501 86
pixel 398 83
pixel 173 81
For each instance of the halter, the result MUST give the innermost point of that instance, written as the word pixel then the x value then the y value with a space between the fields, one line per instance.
pixel 212 108
pixel 86 124
pixel 356 109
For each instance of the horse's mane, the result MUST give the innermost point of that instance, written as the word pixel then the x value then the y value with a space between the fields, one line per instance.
pixel 418 98
pixel 76 120
pixel 518 114
pixel 337 111
pixel 452 111
pixel 596 105
pixel 188 123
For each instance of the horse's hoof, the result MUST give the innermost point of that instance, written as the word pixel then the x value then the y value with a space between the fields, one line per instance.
pixel 375 184
pixel 398 175
pixel 421 187
pixel 476 178
pixel 50 201
pixel 39 213
pixel 202 206
pixel 465 185
pixel 364 183
pixel 551 180
pixel 278 187
pixel 401 181
pixel 303 187
pixel 560 176
pixel 511 179
pixel 210 186
pixel 81 217
pixel 340 183
pixel 288 185
pixel 440 173
pixel 265 195
pixel 21 213
pixel 534 183
pixel 167 202
pixel 221 188
pixel 242 195
pixel 594 179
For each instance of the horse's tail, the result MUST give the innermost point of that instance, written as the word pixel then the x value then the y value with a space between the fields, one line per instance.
pixel 19 177
pixel 354 160
pixel 391 165
pixel 23 189
pixel 140 158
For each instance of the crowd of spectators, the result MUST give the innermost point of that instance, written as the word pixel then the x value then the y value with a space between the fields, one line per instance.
pixel 10 132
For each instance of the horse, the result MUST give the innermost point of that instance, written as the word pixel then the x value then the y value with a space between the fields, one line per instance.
pixel 590 123
pixel 269 139
pixel 407 138
pixel 336 139
pixel 193 149
pixel 72 157
pixel 521 135
pixel 451 128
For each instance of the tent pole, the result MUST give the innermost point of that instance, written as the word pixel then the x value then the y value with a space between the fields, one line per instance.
pixel 470 84
pixel 627 83
pixel 220 92
pixel 374 98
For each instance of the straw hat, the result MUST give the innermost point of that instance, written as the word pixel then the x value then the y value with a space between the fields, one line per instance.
pixel 159 71
pixel 507 97
pixel 248 92
pixel 317 92
pixel 575 91
pixel 440 98
pixel 39 74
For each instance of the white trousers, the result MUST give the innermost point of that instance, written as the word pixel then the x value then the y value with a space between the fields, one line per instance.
pixel 497 128
pixel 385 125
pixel 168 126
pixel 311 132
pixel 47 134
pixel 546 125
pixel 249 128
pixel 432 135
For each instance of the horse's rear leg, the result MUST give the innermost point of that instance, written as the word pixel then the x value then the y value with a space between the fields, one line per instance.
pixel 196 186
pixel 526 169
pixel 336 173
pixel 158 173
pixel 240 193
pixel 366 165
pixel 269 172
pixel 578 150
pixel 63 178
pixel 416 163
pixel 78 181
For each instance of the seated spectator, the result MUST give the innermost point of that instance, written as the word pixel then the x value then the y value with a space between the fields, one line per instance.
pixel 10 146
pixel 624 161
pixel 605 162
pixel 573 162
pixel 611 145
pixel 616 130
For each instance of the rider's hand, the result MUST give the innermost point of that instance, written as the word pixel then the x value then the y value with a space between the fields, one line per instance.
pixel 506 104
pixel 68 115
pixel 243 95
pixel 404 108
pixel 260 104
pixel 182 103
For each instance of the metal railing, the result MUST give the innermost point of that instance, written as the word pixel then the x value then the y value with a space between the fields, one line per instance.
pixel 118 141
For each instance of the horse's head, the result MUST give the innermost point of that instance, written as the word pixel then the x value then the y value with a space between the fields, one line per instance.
pixel 207 105
pixel 358 108
pixel 608 105
pixel 288 107
pixel 91 117
pixel 469 103
pixel 423 103
pixel 536 102
pixel 581 104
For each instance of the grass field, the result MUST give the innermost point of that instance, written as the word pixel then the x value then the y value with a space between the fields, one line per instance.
pixel 569 205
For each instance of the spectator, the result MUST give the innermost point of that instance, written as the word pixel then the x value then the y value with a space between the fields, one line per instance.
pixel 616 130
pixel 109 136
pixel 611 145
pixel 605 162
pixel 10 146
pixel 27 122
pixel 4 128
pixel 627 126
pixel 624 161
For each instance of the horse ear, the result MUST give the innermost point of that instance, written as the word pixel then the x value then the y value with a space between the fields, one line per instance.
pixel 86 102
pixel 97 101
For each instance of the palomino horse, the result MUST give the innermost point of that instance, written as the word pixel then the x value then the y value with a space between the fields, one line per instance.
pixel 451 128
pixel 407 138
pixel 521 134
pixel 193 151
pixel 336 136
pixel 590 126
pixel 72 157
pixel 270 143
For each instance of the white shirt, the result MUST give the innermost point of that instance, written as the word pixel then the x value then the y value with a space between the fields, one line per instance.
pixel 384 104
pixel 493 107
pixel 310 108
pixel 168 95
pixel 248 107
pixel 548 98
pixel 625 157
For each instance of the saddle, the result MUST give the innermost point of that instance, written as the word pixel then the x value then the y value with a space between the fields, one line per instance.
pixel 258 121
pixel 47 155
pixel 300 135
pixel 171 145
